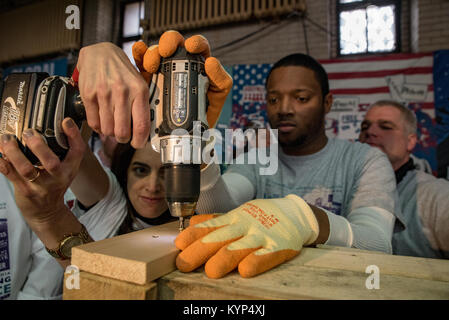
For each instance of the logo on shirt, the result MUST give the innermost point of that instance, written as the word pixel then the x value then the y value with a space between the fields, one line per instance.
pixel 323 198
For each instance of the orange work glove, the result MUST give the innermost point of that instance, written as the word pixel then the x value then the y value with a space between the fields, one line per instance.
pixel 257 236
pixel 220 82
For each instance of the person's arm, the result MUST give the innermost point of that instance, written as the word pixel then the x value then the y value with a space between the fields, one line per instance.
pixel 223 193
pixel 373 209
pixel 368 226
pixel 91 183
pixel 39 193
pixel 324 225
pixel 433 205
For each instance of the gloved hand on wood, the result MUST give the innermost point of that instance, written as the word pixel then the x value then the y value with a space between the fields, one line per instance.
pixel 255 237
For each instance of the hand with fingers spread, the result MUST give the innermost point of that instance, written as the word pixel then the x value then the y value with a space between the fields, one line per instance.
pixel 39 192
pixel 220 82
pixel 115 95
pixel 255 237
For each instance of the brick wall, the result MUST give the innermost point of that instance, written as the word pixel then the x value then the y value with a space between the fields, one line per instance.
pixel 280 39
pixel 429 25
pixel 422 29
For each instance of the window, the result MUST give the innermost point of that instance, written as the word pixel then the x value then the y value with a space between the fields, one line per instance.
pixel 368 26
pixel 131 31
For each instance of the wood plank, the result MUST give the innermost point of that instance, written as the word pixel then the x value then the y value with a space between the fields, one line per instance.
pixel 138 257
pixel 94 287
pixel 359 260
pixel 295 281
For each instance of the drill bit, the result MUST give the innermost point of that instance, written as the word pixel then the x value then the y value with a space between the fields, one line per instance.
pixel 181 224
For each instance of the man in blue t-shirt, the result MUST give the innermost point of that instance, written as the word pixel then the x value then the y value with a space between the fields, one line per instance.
pixel 349 186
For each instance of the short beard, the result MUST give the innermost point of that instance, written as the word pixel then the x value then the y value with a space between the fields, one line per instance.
pixel 298 142
pixel 305 138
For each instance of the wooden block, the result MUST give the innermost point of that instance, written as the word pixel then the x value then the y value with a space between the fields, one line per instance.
pixel 94 287
pixel 138 257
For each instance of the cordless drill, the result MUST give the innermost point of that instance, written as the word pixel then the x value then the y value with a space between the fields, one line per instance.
pixel 178 114
pixel 178 104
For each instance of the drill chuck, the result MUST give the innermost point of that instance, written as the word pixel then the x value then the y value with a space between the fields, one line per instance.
pixel 182 186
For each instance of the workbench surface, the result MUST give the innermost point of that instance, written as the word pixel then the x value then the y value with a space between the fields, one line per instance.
pixel 317 273
pixel 320 273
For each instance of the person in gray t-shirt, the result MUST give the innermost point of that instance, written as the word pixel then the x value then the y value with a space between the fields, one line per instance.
pixel 349 186
pixel 424 199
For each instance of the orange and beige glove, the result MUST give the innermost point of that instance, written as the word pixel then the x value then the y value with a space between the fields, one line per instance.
pixel 220 82
pixel 257 236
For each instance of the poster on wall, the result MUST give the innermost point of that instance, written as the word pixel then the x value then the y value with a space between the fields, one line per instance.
pixel 52 67
pixel 406 78
pixel 355 85
pixel 248 96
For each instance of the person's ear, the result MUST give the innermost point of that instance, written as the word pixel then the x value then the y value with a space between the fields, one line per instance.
pixel 412 139
pixel 328 100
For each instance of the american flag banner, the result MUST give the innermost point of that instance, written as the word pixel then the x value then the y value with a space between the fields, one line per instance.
pixel 406 78
pixel 355 85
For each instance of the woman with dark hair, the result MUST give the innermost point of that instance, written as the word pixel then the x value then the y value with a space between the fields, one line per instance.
pixel 140 175
pixel 129 198
pixel 110 206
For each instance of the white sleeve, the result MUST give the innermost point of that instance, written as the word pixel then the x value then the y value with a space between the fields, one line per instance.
pixel 104 218
pixel 222 193
pixel 433 205
pixel 367 228
pixel 45 278
pixel 102 221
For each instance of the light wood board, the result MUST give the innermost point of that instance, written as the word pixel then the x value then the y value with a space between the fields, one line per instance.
pixel 138 257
